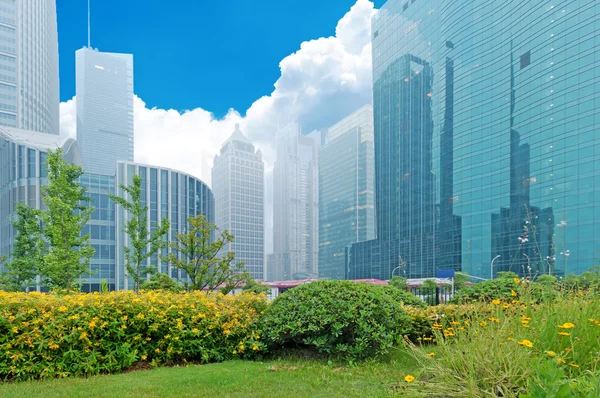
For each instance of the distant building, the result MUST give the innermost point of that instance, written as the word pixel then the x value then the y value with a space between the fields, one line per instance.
pixel 29 88
pixel 346 191
pixel 238 187
pixel 104 86
pixel 295 206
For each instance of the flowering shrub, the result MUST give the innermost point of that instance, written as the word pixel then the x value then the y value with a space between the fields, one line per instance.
pixel 43 335
pixel 341 318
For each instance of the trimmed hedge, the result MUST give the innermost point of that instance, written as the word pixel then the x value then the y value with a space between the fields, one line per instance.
pixel 44 335
pixel 340 318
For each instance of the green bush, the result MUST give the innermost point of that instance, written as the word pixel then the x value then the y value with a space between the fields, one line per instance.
pixel 161 281
pixel 404 297
pixel 340 318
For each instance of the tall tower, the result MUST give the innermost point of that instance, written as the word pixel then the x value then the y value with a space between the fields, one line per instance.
pixel 295 206
pixel 238 180
pixel 104 86
pixel 29 89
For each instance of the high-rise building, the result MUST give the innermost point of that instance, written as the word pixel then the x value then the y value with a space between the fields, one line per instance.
pixel 238 186
pixel 295 206
pixel 346 191
pixel 29 89
pixel 486 138
pixel 104 85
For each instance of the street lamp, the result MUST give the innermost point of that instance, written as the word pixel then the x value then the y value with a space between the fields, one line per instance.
pixel 492 267
pixel 394 270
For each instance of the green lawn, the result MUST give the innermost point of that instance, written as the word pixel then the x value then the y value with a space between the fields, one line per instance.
pixel 296 378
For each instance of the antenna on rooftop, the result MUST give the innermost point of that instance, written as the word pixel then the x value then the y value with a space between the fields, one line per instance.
pixel 89 35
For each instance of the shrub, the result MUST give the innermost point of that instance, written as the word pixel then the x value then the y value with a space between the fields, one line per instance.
pixel 339 318
pixel 404 297
pixel 44 336
pixel 161 281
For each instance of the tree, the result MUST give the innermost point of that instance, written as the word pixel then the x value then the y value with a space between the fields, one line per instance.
pixel 142 242
pixel 69 252
pixel 28 250
pixel 254 286
pixel 200 257
pixel 399 283
pixel 160 281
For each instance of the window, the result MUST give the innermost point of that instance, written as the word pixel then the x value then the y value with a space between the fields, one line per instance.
pixel 525 59
pixel 405 7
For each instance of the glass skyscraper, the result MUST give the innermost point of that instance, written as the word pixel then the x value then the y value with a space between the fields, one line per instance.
pixel 487 138
pixel 29 89
pixel 238 179
pixel 346 191
pixel 295 206
pixel 104 109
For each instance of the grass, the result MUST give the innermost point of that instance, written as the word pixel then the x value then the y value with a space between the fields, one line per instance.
pixel 286 377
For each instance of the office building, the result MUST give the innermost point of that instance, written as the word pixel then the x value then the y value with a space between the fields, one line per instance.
pixel 104 86
pixel 29 88
pixel 238 180
pixel 169 194
pixel 486 139
pixel 346 191
pixel 295 206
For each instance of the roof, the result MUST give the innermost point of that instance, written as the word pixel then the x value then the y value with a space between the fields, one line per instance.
pixel 238 136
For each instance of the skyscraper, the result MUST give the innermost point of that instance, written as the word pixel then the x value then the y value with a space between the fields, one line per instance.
pixel 295 206
pixel 29 89
pixel 497 103
pixel 238 187
pixel 104 85
pixel 346 190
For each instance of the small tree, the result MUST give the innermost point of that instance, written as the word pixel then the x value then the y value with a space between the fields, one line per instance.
pixel 254 286
pixel 399 283
pixel 27 253
pixel 160 281
pixel 201 259
pixel 69 252
pixel 142 243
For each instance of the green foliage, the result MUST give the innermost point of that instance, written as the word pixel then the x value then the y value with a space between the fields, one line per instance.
pixel 486 291
pixel 69 252
pixel 28 250
pixel 460 280
pixel 47 335
pixel 161 281
pixel 339 318
pixel 143 244
pixel 399 283
pixel 104 286
pixel 256 287
pixel 404 297
pixel 547 280
pixel 589 280
pixel 201 258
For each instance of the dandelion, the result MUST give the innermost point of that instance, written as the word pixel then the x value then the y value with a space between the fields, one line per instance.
pixel 526 343
pixel 409 378
pixel 496 302
pixel 564 333
pixel 551 354
pixel 567 325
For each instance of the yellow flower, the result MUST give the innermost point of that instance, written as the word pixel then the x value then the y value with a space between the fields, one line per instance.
pixel 563 333
pixel 567 325
pixel 254 347
pixel 506 306
pixel 427 338
pixel 15 329
pixel 581 294
pixel 510 339
pixel 513 293
pixel 574 365
pixel 144 357
pixel 560 360
pixel 496 302
pixel 62 308
pixel 53 346
pixel 157 351
pixel 517 280
pixel 431 354
pixel 454 323
pixel 526 343
pixel 448 333
pixel 483 323
pixel 551 354
pixel 494 320
pixel 409 378
pixel 234 352
pixel 83 335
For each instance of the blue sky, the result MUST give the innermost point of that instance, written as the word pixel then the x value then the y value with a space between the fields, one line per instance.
pixel 196 53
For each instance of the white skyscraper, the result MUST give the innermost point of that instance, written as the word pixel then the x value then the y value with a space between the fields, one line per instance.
pixel 29 89
pixel 295 206
pixel 104 85
pixel 238 188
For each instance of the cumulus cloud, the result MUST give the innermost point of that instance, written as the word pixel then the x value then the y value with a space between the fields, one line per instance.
pixel 322 82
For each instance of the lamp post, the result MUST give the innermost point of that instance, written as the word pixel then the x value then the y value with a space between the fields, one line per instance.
pixel 492 267
pixel 528 262
pixel 394 270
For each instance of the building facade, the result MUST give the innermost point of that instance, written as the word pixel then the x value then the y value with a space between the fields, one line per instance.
pixel 346 191
pixel 499 104
pixel 29 88
pixel 23 173
pixel 295 206
pixel 170 195
pixel 104 86
pixel 238 180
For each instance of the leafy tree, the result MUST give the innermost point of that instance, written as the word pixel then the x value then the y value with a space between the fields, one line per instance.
pixel 27 254
pixel 142 242
pixel 460 280
pixel 399 283
pixel 255 287
pixel 201 259
pixel 161 281
pixel 69 252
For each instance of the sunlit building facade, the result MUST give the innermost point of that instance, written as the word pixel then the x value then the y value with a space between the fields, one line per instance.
pixel 487 138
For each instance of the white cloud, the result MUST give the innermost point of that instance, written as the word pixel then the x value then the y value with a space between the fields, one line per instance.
pixel 322 82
